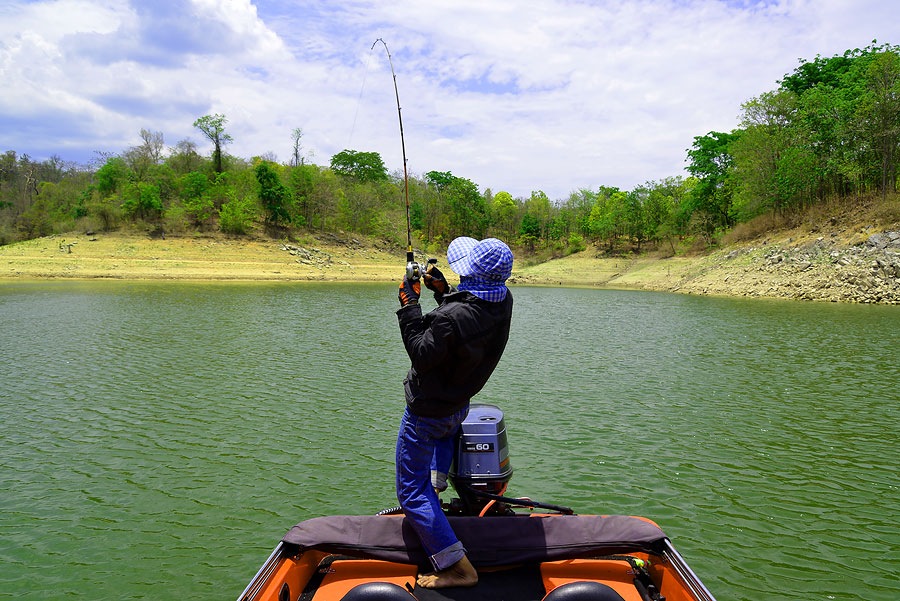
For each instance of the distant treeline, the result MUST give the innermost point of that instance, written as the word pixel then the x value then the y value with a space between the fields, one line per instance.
pixel 830 130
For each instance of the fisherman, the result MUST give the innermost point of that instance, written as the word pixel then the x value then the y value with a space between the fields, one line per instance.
pixel 453 351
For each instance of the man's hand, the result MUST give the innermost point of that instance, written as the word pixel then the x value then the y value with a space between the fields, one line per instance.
pixel 409 292
pixel 435 280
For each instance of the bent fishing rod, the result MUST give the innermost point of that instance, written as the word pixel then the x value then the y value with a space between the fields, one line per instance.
pixel 412 268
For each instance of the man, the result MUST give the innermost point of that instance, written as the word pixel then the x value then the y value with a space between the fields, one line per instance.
pixel 453 350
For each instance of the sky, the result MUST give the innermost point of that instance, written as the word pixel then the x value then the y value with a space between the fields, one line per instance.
pixel 516 96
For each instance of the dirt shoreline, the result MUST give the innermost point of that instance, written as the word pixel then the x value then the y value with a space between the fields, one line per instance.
pixel 799 267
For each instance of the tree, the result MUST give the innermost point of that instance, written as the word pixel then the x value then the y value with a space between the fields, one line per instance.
pixel 463 207
pixel 504 211
pixel 213 127
pixel 634 219
pixel 153 145
pixel 184 157
pixel 440 179
pixel 821 72
pixel 774 162
pixel 142 200
pixel 9 180
pixel 302 183
pixel 538 206
pixel 273 194
pixel 194 191
pixel 364 166
pixel 880 108
pixel 143 158
pixel 236 215
pixel 711 163
pixel 296 135
pixel 322 200
pixel 112 176
pixel 848 115
pixel 578 207
pixel 607 215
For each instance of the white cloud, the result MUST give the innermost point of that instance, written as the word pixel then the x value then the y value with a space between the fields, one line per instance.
pixel 553 94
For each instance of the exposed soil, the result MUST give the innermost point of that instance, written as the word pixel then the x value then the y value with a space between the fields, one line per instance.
pixel 846 255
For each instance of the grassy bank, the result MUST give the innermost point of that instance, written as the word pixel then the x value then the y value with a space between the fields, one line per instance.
pixel 811 251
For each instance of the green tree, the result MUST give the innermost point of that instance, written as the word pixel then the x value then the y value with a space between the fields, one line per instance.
pixel 463 207
pixel 529 231
pixel 112 176
pixel 821 72
pixel 711 161
pixel 775 166
pixel 273 195
pixel 301 183
pixel 358 207
pixel 577 208
pixel 431 200
pixel 142 200
pixel 237 214
pixel 504 212
pixel 634 219
pixel 322 200
pixel 364 166
pixel 538 206
pixel 440 179
pixel 607 216
pixel 663 208
pixel 466 209
pixel 417 215
pixel 846 120
pixel 213 127
pixel 880 109
pixel 194 190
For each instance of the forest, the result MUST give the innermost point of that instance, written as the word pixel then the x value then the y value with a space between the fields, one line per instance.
pixel 829 132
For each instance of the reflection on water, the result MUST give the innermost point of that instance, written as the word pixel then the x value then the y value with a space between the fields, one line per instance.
pixel 158 439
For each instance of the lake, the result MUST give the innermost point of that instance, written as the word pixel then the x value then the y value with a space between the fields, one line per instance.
pixel 158 439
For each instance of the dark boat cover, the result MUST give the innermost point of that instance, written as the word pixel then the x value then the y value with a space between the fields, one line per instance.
pixel 489 541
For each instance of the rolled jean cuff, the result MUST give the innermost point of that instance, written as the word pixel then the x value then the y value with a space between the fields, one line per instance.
pixel 449 556
pixel 439 480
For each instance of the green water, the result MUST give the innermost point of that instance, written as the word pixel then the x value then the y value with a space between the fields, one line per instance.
pixel 159 439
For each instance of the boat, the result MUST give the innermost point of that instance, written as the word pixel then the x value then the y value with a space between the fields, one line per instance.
pixel 523 549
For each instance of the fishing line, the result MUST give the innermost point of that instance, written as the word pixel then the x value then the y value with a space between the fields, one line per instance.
pixel 362 89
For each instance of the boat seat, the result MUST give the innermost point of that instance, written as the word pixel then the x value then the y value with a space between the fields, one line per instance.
pixel 378 591
pixel 583 591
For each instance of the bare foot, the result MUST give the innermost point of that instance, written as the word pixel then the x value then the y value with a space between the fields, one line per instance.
pixel 462 573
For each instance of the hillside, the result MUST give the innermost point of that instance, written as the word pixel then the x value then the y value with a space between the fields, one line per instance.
pixel 837 254
pixel 846 255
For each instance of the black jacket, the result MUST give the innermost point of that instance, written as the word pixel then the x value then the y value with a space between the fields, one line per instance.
pixel 453 349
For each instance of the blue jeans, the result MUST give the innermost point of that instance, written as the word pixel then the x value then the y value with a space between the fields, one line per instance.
pixel 425 445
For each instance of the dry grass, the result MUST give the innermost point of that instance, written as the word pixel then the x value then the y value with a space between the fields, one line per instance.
pixel 218 257
pixel 135 256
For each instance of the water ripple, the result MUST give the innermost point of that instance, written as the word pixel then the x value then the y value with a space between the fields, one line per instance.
pixel 196 423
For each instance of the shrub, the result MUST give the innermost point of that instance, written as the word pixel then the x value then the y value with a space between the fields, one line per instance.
pixel 576 243
pixel 237 215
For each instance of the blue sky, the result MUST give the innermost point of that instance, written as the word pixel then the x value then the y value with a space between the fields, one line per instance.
pixel 552 95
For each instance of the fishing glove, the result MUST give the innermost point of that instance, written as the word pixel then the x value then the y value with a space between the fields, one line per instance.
pixel 436 282
pixel 409 292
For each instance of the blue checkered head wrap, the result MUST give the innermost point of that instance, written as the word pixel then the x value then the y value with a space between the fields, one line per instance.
pixel 483 266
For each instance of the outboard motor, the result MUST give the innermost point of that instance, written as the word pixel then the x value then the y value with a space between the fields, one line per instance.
pixel 481 466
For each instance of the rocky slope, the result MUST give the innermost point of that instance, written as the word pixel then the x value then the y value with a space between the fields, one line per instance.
pixel 820 270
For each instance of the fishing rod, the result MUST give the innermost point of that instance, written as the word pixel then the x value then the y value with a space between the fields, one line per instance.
pixel 412 268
